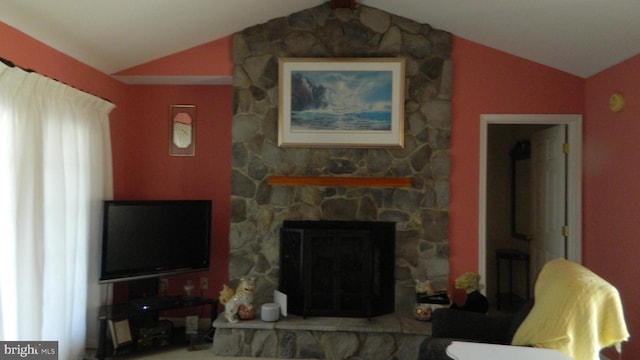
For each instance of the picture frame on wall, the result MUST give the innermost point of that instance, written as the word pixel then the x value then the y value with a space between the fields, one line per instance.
pixel 182 130
pixel 344 102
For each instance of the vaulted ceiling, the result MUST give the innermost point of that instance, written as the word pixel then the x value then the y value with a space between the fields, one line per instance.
pixel 581 37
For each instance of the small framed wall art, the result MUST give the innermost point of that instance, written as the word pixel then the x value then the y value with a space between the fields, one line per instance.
pixel 341 102
pixel 182 130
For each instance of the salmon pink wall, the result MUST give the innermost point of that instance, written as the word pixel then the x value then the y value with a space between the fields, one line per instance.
pixel 147 169
pixel 212 58
pixel 611 195
pixel 487 81
pixel 150 173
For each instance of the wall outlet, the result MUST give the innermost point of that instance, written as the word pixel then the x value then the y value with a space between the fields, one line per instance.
pixel 204 283
pixel 191 324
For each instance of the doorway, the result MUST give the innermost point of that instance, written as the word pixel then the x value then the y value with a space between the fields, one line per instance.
pixel 494 129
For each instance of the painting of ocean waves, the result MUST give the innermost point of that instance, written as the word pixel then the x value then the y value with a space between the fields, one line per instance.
pixel 341 101
pixel 326 121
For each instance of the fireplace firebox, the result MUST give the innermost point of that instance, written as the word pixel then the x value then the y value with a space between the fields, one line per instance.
pixel 338 268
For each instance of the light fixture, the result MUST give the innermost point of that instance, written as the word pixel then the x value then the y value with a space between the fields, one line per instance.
pixel 616 102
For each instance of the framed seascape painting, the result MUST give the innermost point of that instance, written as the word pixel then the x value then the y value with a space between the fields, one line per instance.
pixel 341 102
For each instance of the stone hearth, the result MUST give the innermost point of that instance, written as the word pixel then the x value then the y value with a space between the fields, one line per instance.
pixel 392 336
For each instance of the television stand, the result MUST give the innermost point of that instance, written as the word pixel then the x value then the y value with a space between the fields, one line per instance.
pixel 146 331
pixel 159 303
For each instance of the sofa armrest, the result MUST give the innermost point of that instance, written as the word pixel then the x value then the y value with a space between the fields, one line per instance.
pixel 471 326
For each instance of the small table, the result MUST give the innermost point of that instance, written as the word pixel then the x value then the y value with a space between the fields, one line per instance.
pixel 511 255
pixel 152 308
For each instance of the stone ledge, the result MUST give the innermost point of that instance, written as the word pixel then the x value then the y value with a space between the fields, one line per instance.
pixel 383 337
pixel 390 323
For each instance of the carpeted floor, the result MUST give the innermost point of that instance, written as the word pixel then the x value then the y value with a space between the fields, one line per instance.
pixel 185 354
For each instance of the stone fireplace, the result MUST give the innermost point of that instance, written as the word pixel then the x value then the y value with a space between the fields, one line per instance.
pixel 420 211
pixel 258 209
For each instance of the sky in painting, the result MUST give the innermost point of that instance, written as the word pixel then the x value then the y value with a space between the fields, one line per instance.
pixel 364 89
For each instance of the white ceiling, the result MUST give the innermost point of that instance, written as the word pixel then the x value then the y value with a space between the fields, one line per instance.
pixel 581 37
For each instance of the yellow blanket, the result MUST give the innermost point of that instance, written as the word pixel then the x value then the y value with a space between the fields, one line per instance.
pixel 576 312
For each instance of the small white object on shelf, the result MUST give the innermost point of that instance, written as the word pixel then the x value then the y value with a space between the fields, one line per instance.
pixel 281 299
pixel 270 312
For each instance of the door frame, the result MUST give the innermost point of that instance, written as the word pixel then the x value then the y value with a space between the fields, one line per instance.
pixel 574 177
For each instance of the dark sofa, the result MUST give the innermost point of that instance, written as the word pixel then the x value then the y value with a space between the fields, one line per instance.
pixel 451 324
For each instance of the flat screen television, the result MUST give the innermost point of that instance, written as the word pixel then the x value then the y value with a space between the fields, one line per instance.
pixel 152 238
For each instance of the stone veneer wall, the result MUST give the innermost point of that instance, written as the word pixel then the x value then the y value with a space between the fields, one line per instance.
pixel 421 212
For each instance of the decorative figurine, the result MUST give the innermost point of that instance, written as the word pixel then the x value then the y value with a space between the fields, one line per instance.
pixel 188 288
pixel 239 303
pixel 470 283
pixel 427 300
pixel 424 287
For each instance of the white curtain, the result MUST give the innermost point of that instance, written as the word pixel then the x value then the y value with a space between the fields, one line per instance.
pixel 55 170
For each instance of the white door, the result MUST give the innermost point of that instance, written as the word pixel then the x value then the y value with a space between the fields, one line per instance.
pixel 573 124
pixel 549 183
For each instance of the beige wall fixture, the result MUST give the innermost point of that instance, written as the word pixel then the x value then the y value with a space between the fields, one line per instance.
pixel 616 102
pixel 182 131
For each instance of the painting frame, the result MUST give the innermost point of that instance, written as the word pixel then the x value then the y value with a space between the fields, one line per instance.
pixel 120 332
pixel 182 130
pixel 339 115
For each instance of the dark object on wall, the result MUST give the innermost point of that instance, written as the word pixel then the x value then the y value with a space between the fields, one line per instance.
pixel 343 4
pixel 338 268
pixel 521 190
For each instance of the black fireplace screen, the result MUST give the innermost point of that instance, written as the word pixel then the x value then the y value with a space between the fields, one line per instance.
pixel 338 268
